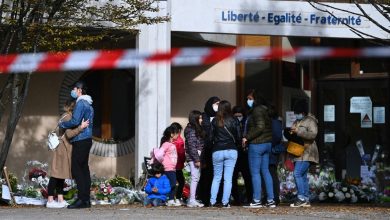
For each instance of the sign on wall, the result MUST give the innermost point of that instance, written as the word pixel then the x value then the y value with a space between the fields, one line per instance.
pixel 282 18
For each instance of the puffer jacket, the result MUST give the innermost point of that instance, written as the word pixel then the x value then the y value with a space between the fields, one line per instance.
pixel 82 110
pixel 163 186
pixel 307 130
pixel 194 144
pixel 259 126
pixel 220 136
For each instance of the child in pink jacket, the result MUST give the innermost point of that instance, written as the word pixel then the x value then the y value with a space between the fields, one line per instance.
pixel 167 156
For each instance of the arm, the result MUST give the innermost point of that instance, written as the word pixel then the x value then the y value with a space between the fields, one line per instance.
pixel 70 133
pixel 308 130
pixel 148 187
pixel 191 145
pixel 259 120
pixel 76 117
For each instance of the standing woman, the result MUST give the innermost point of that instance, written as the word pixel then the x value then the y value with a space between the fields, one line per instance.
pixel 60 168
pixel 204 186
pixel 306 128
pixel 194 135
pixel 258 134
pixel 225 132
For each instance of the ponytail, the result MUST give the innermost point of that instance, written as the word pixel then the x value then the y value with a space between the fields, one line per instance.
pixel 166 135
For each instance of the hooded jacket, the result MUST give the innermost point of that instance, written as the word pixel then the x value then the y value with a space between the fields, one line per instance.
pixel 82 110
pixel 307 130
pixel 163 186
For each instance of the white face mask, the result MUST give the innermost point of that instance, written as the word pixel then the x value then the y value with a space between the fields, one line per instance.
pixel 240 118
pixel 215 107
pixel 250 102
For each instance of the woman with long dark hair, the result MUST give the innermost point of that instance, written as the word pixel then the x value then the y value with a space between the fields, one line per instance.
pixel 204 186
pixel 225 132
pixel 258 136
pixel 194 135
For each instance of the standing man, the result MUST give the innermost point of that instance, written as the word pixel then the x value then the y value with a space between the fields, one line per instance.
pixel 82 144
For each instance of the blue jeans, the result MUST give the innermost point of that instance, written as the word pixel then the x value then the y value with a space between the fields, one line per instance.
pixel 154 202
pixel 258 157
pixel 171 175
pixel 223 162
pixel 300 175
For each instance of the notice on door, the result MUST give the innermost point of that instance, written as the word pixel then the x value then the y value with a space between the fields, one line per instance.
pixel 362 105
pixel 329 115
pixel 379 115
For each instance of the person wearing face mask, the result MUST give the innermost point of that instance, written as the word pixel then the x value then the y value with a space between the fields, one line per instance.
pixel 242 165
pixel 306 128
pixel 258 138
pixel 206 173
pixel 82 144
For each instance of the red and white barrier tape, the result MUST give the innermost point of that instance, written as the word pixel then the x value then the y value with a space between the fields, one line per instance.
pixel 119 59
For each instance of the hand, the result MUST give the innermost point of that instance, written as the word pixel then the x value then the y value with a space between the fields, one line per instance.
pixel 84 124
pixel 154 190
pixel 197 164
pixel 244 140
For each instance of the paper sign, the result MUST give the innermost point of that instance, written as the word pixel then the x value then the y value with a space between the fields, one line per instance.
pixel 329 113
pixel 379 115
pixel 366 119
pixel 290 119
pixel 5 194
pixel 360 104
pixel 329 137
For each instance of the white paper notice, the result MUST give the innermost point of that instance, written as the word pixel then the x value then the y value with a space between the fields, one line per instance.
pixel 329 137
pixel 329 113
pixel 290 119
pixel 360 104
pixel 379 115
pixel 5 194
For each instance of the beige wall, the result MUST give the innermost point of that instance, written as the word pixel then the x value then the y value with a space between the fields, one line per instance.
pixel 40 115
pixel 193 86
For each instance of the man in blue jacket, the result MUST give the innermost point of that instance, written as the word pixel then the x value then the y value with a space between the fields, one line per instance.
pixel 82 144
pixel 157 187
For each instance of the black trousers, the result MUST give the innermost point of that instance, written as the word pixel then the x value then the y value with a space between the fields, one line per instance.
pixel 80 168
pixel 56 185
pixel 180 186
pixel 242 165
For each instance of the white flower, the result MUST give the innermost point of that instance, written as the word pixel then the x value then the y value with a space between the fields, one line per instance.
pixel 330 194
pixel 351 191
pixel 339 196
pixel 344 189
pixel 347 195
pixel 322 196
pixel 354 198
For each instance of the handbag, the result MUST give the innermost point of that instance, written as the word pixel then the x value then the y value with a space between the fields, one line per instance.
pixel 295 148
pixel 52 139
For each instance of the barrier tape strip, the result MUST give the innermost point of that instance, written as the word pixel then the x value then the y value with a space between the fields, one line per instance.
pixel 130 58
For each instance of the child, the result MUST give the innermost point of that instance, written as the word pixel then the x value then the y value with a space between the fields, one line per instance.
pixel 181 157
pixel 194 135
pixel 167 156
pixel 157 187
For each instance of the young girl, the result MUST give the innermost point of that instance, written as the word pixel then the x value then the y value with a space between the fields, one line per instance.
pixel 194 135
pixel 181 158
pixel 167 156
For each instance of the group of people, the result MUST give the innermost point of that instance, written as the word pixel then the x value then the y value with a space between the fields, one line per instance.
pixel 223 142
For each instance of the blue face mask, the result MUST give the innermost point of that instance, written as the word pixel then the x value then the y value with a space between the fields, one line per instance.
pixel 73 94
pixel 299 116
pixel 250 103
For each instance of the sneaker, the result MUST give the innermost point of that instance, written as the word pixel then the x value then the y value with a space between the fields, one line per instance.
pixel 226 206
pixel 254 204
pixel 212 205
pixel 54 205
pixel 270 204
pixel 178 202
pixel 194 204
pixel 300 203
pixel 64 203
pixel 172 202
pixel 181 202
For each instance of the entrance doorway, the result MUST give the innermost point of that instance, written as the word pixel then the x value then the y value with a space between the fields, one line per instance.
pixel 347 128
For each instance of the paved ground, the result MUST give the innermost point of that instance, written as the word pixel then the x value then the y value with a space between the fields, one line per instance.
pixel 321 211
